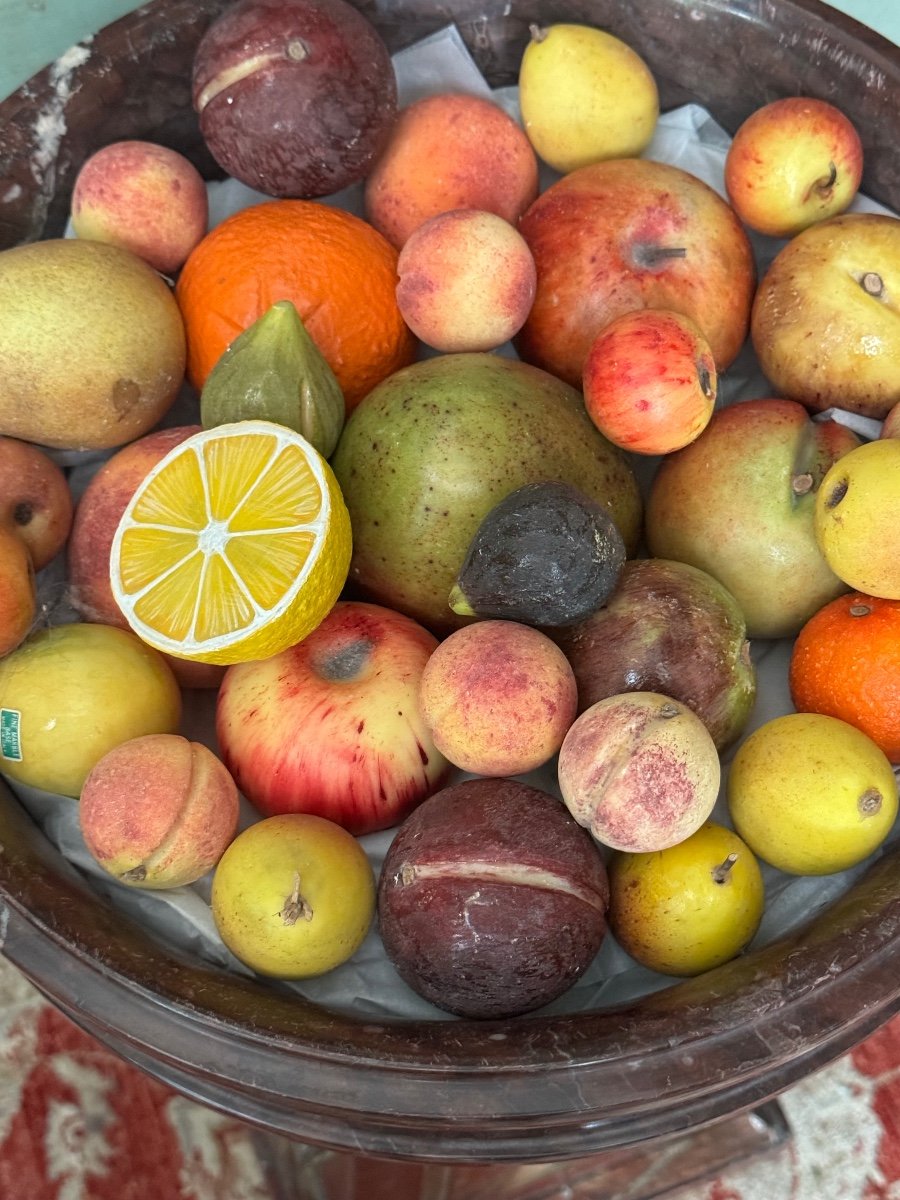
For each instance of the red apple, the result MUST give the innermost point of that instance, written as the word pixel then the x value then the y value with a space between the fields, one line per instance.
pixel 650 381
pixel 331 726
pixel 627 234
pixel 792 163
pixel 34 499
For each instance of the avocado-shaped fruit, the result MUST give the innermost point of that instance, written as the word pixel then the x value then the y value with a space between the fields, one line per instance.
pixel 545 555
pixel 274 371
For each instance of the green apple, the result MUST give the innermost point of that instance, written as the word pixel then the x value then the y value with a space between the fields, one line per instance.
pixel 738 503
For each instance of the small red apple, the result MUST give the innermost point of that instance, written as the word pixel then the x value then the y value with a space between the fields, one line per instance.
pixel 650 381
pixel 331 726
pixel 792 163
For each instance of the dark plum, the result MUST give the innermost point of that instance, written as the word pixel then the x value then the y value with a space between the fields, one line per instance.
pixel 667 627
pixel 492 899
pixel 296 98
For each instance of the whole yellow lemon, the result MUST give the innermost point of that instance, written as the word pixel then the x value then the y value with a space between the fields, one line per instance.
pixel 811 794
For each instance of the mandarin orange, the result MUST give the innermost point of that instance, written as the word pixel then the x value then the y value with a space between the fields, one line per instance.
pixel 339 272
pixel 846 663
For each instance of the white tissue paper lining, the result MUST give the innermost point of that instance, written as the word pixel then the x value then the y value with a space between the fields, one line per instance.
pixel 368 986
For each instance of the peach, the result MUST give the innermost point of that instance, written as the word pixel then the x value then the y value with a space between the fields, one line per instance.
pixel 35 496
pixel 143 197
pixel 96 519
pixel 640 770
pixel 450 151
pixel 498 698
pixel 158 811
pixel 466 281
pixel 18 598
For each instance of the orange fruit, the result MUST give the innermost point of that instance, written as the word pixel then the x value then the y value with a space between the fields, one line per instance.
pixel 339 272
pixel 846 664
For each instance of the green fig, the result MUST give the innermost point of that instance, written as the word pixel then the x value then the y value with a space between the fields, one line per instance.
pixel 274 371
pixel 545 555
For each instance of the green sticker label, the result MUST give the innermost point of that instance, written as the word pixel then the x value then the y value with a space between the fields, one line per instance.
pixel 10 739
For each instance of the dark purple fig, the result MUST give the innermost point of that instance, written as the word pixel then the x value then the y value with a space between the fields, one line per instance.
pixel 492 899
pixel 671 628
pixel 546 554
pixel 296 98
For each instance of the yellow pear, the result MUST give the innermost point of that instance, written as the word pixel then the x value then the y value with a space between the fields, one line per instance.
pixel 585 96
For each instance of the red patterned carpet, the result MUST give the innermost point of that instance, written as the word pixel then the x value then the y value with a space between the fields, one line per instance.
pixel 77 1123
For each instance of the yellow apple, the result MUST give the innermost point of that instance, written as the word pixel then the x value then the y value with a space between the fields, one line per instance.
pixel 825 321
pixel 791 163
pixel 857 518
pixel 293 896
pixel 689 908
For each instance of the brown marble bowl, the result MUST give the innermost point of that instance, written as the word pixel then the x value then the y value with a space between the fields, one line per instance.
pixel 537 1088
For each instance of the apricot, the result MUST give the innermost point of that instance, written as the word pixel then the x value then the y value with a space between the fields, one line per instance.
pixel 96 519
pixel 143 197
pixel 498 698
pixel 18 597
pixel 158 811
pixel 466 281
pixel 450 151
pixel 35 497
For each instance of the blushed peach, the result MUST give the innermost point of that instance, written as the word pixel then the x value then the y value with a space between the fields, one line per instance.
pixel 466 281
pixel 143 197
pixel 640 770
pixel 498 698
pixel 448 151
pixel 96 519
pixel 158 811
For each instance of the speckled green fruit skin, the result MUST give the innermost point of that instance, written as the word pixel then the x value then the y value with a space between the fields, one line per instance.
pixel 432 449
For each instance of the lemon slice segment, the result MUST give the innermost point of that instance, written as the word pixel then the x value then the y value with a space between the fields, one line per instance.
pixel 234 546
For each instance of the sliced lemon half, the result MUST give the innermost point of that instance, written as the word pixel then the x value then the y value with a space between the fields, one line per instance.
pixel 234 546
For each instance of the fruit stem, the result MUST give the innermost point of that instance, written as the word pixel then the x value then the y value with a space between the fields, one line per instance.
pixel 459 603
pixel 651 256
pixel 824 185
pixel 723 870
pixel 295 906
pixel 537 33
pixel 801 484
pixel 872 284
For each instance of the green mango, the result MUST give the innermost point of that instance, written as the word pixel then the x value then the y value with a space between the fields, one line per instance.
pixel 434 447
